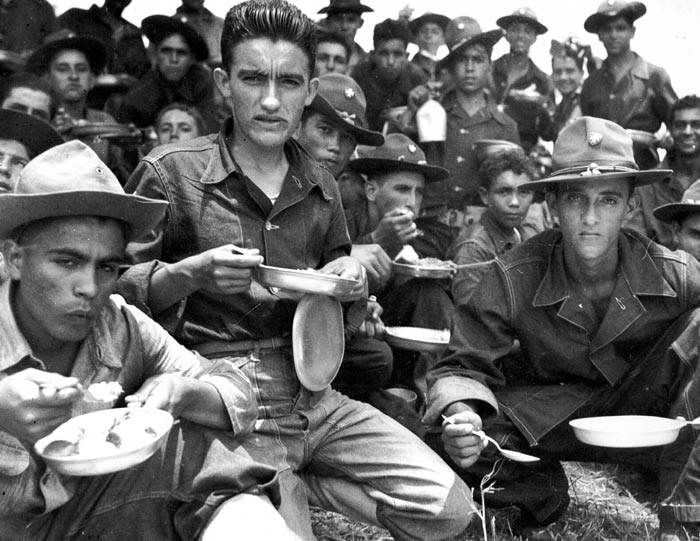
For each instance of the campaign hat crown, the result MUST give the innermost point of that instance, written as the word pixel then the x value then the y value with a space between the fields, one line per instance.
pixel 690 203
pixel 36 135
pixel 71 180
pixel 592 148
pixel 522 15
pixel 611 9
pixel 462 32
pixel 337 6
pixel 441 20
pixel 158 27
pixel 398 153
pixel 341 99
pixel 61 40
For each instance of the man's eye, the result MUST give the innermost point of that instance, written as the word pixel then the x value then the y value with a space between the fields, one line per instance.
pixel 610 201
pixel 109 269
pixel 66 262
pixel 290 83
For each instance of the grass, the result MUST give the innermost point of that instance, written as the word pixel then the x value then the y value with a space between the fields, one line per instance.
pixel 608 502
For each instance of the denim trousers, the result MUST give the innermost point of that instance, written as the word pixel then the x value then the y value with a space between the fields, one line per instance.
pixel 346 456
pixel 665 381
pixel 170 496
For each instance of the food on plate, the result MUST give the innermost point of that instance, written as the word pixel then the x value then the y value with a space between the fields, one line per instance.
pixel 128 431
pixel 407 255
pixel 104 391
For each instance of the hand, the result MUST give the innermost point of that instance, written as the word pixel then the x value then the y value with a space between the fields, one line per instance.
pixel 34 402
pixel 461 445
pixel 396 228
pixel 417 97
pixel 164 392
pixel 406 12
pixel 375 261
pixel 351 269
pixel 372 326
pixel 222 270
pixel 62 121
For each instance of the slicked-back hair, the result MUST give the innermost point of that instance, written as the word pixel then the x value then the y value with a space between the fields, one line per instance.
pixel 272 19
pixel 505 160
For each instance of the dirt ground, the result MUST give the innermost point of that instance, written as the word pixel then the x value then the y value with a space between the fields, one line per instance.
pixel 607 503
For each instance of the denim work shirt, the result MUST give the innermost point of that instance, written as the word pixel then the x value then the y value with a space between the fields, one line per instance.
pixel 123 346
pixel 461 187
pixel 641 100
pixel 567 356
pixel 482 243
pixel 213 203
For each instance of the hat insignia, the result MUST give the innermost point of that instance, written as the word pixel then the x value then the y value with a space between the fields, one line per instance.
pixel 347 117
pixel 349 93
pixel 412 149
pixel 594 138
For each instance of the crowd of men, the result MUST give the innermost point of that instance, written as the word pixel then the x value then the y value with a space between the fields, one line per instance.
pixel 141 188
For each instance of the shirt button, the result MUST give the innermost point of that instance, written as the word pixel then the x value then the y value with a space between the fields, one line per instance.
pixel 460 159
pixel 269 226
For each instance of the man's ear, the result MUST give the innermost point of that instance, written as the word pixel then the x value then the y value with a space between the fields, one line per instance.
pixel 484 195
pixel 221 80
pixel 313 88
pixel 633 203
pixel 371 189
pixel 13 256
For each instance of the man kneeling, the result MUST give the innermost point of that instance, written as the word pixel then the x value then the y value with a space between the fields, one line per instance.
pixel 68 223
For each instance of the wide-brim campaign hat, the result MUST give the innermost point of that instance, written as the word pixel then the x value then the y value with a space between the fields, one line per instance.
pixel 592 148
pixel 93 49
pixel 462 32
pixel 339 6
pixel 342 100
pixel 71 180
pixel 611 9
pixel 36 135
pixel 398 153
pixel 690 203
pixel 522 15
pixel 158 27
pixel 441 20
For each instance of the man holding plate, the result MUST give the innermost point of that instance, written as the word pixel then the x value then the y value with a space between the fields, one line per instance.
pixel 252 192
pixel 606 323
pixel 61 329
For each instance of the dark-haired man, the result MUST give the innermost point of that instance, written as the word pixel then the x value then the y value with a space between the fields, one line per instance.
pixel 684 159
pixel 387 77
pixel 345 16
pixel 253 186
pixel 26 93
pixel 67 224
pixel 627 89
pixel 607 325
pixel 332 53
pixel 683 218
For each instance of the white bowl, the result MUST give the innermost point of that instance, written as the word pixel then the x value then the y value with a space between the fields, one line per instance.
pixel 122 458
pixel 627 430
pixel 417 338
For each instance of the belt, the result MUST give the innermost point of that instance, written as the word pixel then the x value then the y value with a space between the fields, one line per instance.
pixel 221 347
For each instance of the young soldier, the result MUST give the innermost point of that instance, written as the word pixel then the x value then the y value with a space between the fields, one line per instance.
pixel 61 329
pixel 606 325
pixel 252 185
pixel 507 199
pixel 683 218
pixel 345 16
pixel 627 89
pixel 684 160
pixel 26 93
pixel 332 54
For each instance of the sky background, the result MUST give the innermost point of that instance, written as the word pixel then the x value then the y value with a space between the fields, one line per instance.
pixel 668 35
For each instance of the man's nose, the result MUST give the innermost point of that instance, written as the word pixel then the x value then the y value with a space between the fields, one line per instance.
pixel 271 101
pixel 86 283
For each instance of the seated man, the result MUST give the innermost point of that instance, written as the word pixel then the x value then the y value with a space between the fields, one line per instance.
pixel 507 201
pixel 70 64
pixel 683 219
pixel 397 173
pixel 253 186
pixel 603 317
pixel 684 159
pixel 177 75
pixel 61 329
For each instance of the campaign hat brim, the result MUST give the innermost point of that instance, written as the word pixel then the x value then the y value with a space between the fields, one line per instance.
pixel 93 50
pixel 362 135
pixel 488 39
pixel 367 166
pixel 639 178
pixel 157 27
pixel 506 20
pixel 35 134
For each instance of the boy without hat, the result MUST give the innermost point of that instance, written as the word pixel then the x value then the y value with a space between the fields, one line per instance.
pixel 606 323
pixel 67 224
pixel 253 186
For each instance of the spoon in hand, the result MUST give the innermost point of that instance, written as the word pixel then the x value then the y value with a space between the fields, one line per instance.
pixel 517 456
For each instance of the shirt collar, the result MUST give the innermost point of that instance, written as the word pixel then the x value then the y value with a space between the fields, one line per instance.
pixel 489 111
pixel 638 270
pixel 501 237
pixel 13 345
pixel 639 69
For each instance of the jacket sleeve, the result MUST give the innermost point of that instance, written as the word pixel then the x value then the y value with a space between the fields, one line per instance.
pixel 481 335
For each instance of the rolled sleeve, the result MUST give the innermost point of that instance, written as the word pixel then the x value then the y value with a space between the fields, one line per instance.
pixel 450 389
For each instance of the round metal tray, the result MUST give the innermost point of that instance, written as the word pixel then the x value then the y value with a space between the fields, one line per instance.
pixel 416 271
pixel 85 465
pixel 304 281
pixel 417 338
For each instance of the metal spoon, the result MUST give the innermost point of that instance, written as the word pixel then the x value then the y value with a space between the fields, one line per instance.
pixel 506 453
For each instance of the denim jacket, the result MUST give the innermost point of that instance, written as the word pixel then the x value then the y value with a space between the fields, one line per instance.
pixel 213 203
pixel 124 346
pixel 527 296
